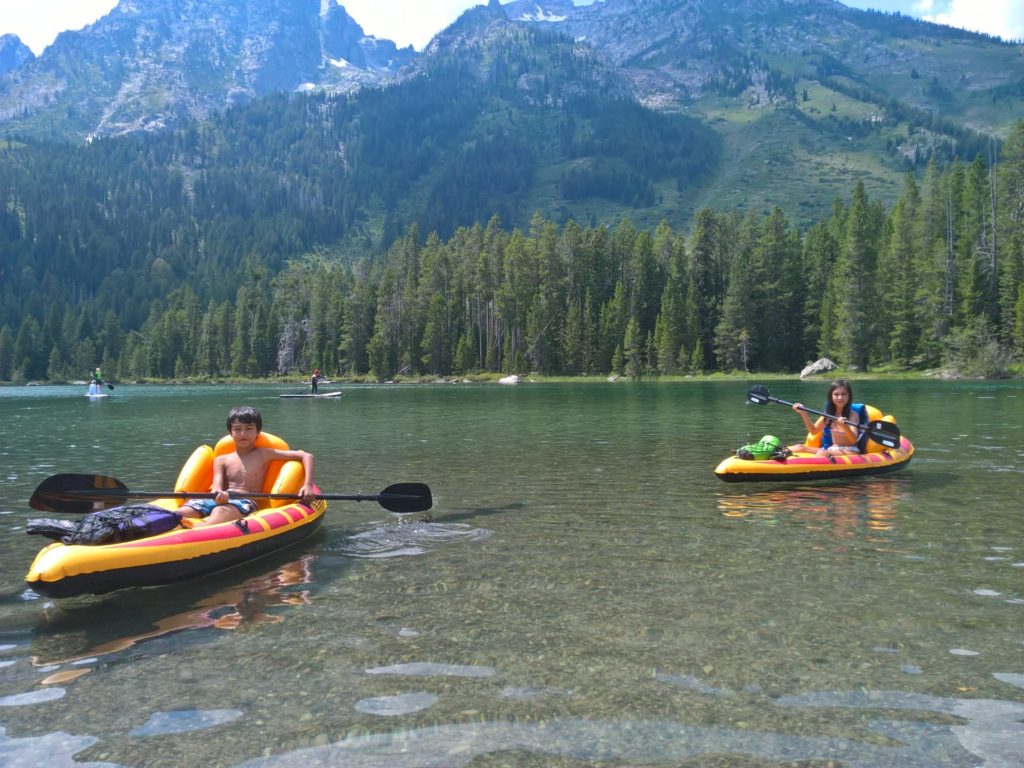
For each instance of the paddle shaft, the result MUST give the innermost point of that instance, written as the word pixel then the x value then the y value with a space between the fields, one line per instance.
pixel 882 432
pixel 811 410
pixel 121 494
pixel 81 493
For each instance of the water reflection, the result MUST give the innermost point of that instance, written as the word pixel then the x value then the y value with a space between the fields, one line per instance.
pixel 628 608
pixel 247 604
pixel 861 510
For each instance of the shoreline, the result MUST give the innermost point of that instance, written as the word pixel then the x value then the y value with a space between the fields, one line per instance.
pixel 536 378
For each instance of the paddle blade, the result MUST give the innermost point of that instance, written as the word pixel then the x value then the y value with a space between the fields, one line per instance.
pixel 406 497
pixel 759 395
pixel 78 494
pixel 884 433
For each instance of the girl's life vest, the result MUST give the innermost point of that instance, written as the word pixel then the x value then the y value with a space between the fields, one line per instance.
pixel 861 412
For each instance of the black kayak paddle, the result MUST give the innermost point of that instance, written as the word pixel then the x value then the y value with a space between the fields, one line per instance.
pixel 884 433
pixel 81 494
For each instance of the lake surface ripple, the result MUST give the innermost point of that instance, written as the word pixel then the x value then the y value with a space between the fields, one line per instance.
pixel 585 592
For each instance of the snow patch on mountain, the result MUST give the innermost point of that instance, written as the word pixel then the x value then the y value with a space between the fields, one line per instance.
pixel 539 14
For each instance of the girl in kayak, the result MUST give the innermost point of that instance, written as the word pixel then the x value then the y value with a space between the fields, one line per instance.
pixel 839 434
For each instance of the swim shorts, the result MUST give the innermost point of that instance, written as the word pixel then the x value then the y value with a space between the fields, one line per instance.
pixel 206 506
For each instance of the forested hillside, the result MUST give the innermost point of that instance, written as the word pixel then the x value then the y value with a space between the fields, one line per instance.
pixel 935 280
pixel 110 227
pixel 396 229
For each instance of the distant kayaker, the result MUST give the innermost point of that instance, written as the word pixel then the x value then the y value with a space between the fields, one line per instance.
pixel 314 381
pixel 839 434
pixel 243 472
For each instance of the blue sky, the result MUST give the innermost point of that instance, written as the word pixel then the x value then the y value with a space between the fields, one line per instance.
pixel 414 22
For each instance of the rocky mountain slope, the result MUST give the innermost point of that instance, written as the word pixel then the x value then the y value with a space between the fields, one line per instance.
pixel 810 95
pixel 680 51
pixel 13 53
pixel 150 64
pixel 807 97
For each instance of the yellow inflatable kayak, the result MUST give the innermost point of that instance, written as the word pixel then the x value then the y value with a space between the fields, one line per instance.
pixel 810 466
pixel 63 570
pixel 885 450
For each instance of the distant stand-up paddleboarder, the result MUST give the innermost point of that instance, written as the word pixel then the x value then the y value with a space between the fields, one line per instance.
pixel 96 385
pixel 314 381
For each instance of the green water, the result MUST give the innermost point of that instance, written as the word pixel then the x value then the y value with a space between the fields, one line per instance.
pixel 585 593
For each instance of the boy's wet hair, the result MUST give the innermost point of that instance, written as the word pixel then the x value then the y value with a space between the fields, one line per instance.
pixel 245 415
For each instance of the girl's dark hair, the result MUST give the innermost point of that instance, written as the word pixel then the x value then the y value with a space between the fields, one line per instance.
pixel 830 407
pixel 245 415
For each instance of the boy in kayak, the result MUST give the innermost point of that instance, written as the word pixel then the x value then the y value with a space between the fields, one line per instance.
pixel 243 472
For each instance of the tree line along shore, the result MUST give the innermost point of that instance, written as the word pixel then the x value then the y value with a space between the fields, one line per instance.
pixel 934 283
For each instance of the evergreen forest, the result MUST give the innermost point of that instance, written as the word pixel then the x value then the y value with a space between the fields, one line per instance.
pixel 303 232
pixel 935 280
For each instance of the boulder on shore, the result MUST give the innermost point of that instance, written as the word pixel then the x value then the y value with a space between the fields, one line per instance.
pixel 513 379
pixel 824 365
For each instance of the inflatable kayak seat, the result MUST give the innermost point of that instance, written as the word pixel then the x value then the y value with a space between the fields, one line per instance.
pixel 814 441
pixel 282 476
pixel 196 475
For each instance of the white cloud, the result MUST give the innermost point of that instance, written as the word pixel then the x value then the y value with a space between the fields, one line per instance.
pixel 407 23
pixel 415 22
pixel 1003 18
pixel 37 22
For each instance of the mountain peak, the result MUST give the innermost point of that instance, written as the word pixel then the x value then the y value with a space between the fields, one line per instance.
pixel 13 53
pixel 148 63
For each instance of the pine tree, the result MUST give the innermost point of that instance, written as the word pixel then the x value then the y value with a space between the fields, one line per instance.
pixel 975 284
pixel 776 332
pixel 632 349
pixel 820 253
pixel 383 348
pixel 28 359
pixel 705 281
pixel 572 339
pixel 899 280
pixel 741 309
pixel 435 337
pixel 611 329
pixel 1011 221
pixel 6 353
pixel 852 280
pixel 931 269
pixel 358 327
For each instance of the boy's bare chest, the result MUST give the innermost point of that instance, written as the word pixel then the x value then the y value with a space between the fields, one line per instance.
pixel 245 473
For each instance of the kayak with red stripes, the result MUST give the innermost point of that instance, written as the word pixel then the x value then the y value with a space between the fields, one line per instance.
pixel 882 448
pixel 66 570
